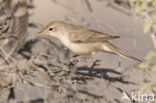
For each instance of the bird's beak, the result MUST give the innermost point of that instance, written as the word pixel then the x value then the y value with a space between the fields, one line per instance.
pixel 35 35
pixel 40 33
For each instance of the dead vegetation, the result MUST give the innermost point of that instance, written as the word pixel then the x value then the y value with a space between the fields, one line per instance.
pixel 23 68
pixel 41 70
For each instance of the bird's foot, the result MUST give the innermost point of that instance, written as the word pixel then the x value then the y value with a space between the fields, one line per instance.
pixel 86 56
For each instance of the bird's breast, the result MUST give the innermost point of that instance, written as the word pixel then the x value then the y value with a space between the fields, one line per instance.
pixel 80 48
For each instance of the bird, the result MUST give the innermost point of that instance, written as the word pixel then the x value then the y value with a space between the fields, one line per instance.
pixel 82 41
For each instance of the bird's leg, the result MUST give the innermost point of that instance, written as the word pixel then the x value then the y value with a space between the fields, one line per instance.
pixel 82 58
pixel 85 58
pixel 77 58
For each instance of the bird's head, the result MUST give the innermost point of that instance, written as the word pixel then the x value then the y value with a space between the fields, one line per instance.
pixel 52 29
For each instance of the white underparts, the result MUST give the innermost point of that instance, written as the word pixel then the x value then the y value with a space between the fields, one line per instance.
pixel 106 48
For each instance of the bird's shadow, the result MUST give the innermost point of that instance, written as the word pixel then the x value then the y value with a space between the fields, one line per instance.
pixel 85 73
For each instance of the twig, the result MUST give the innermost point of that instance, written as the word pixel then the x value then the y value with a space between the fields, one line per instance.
pixel 153 37
pixel 33 67
pixel 116 7
pixel 88 4
pixel 6 56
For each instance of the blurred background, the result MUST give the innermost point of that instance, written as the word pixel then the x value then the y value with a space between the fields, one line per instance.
pixel 38 69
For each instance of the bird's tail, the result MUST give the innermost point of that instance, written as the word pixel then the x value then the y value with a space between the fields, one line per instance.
pixel 108 47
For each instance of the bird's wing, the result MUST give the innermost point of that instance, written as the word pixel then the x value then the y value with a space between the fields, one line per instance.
pixel 85 35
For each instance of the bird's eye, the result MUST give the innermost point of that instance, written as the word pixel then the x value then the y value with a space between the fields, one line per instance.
pixel 50 29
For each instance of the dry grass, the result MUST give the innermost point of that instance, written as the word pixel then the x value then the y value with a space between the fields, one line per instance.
pixel 41 70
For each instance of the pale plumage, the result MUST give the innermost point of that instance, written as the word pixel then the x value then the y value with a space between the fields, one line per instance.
pixel 82 41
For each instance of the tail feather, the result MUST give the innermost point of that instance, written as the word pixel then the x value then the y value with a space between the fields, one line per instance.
pixel 111 48
pixel 114 37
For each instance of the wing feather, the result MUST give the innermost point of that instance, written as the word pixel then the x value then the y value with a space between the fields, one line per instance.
pixel 80 34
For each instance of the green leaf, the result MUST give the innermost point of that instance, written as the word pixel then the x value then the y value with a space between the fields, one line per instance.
pixel 148 85
pixel 153 2
pixel 152 13
pixel 133 2
pixel 154 68
pixel 148 25
pixel 140 6
pixel 150 55
pixel 154 25
pixel 144 66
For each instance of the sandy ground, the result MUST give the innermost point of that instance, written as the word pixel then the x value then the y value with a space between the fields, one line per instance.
pixel 106 81
pixel 109 78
